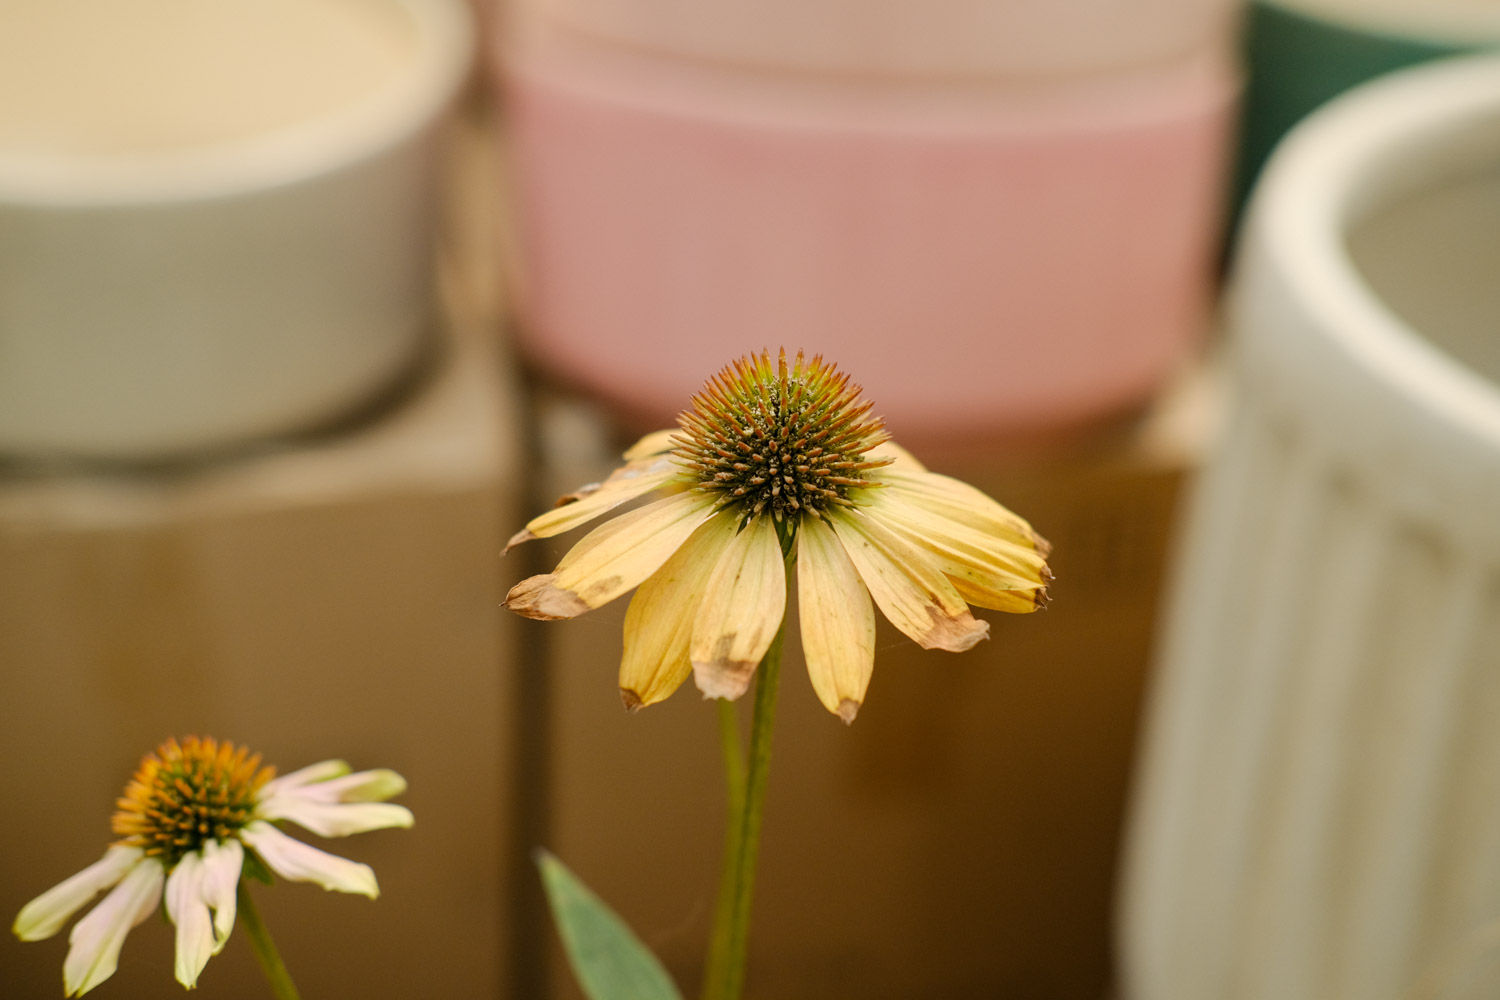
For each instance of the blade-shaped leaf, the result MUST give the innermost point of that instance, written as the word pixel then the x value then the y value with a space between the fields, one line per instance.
pixel 606 956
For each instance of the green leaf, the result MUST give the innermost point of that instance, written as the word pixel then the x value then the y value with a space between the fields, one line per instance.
pixel 608 959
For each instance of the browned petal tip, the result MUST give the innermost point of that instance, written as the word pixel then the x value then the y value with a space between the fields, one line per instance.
pixel 585 490
pixel 523 535
pixel 848 709
pixel 1042 546
pixel 536 597
pixel 726 679
pixel 633 702
pixel 954 634
pixel 1041 598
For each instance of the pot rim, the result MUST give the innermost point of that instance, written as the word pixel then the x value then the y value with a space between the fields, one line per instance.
pixel 1364 151
pixel 359 131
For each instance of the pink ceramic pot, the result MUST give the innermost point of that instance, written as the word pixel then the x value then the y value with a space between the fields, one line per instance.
pixel 905 38
pixel 981 259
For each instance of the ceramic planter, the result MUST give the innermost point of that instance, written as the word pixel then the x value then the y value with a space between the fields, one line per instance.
pixel 984 258
pixel 167 302
pixel 1008 39
pixel 1316 816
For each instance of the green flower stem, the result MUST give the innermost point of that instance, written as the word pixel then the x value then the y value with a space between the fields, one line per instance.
pixel 265 949
pixel 734 782
pixel 725 978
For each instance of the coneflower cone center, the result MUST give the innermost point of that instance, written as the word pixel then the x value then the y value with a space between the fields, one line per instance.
pixel 185 794
pixel 768 438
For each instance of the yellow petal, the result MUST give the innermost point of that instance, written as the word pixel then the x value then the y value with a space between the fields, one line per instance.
pixel 611 559
pixel 838 620
pixel 634 479
pixel 910 590
pixel 901 458
pixel 987 570
pixel 1015 602
pixel 659 624
pixel 962 503
pixel 652 444
pixel 743 604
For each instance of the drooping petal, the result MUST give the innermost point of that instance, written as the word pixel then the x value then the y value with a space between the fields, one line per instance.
pixel 652 444
pixel 743 603
pixel 324 770
pixel 45 915
pixel 340 806
pixel 962 503
pixel 631 480
pixel 188 911
pixel 299 862
pixel 909 589
pixel 1014 602
pixel 222 863
pixel 659 622
pixel 838 620
pixel 375 785
pixel 988 570
pixel 538 597
pixel 336 819
pixel 612 559
pixel 95 942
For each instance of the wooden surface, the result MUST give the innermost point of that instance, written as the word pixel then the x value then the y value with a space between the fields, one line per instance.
pixel 331 596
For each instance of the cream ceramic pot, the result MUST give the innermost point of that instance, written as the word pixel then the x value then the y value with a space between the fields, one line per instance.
pixel 1315 815
pixel 1460 23
pixel 171 285
pixel 908 38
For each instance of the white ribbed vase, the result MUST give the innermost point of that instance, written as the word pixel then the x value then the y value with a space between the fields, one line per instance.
pixel 1318 809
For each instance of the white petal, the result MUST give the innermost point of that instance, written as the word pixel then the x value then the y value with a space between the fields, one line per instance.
pixel 298 862
pixel 612 559
pixel 335 819
pixel 910 590
pixel 45 915
pixel 363 786
pixel 838 620
pixel 94 944
pixel 187 910
pixel 340 806
pixel 222 864
pixel 744 601
pixel 659 622
pixel 324 770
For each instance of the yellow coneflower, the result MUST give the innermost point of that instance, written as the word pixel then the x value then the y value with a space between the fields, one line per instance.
pixel 186 819
pixel 772 460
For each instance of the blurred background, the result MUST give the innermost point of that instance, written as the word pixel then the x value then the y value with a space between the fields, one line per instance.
pixel 307 305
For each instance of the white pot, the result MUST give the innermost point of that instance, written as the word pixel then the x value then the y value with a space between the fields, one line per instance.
pixel 157 302
pixel 1439 22
pixel 1317 813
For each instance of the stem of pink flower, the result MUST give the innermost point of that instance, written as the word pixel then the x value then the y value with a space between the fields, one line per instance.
pixel 265 949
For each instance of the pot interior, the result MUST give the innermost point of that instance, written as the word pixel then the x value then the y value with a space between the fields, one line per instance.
pixel 1432 256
